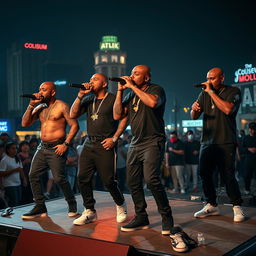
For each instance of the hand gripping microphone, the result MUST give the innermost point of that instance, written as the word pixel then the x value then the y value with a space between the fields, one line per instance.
pixel 118 79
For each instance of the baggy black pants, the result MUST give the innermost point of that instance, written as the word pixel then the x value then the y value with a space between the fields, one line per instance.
pixel 222 157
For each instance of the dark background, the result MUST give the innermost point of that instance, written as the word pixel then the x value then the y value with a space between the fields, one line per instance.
pixel 179 40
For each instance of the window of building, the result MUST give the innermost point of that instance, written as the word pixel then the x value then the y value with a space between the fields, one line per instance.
pixel 96 60
pixel 122 59
pixel 104 58
pixel 114 58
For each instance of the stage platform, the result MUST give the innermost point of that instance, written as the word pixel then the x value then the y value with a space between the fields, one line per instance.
pixel 222 235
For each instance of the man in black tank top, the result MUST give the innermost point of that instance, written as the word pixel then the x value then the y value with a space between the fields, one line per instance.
pixel 144 106
pixel 98 153
pixel 219 104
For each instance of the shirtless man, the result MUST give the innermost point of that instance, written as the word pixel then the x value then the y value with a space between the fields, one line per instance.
pixel 51 153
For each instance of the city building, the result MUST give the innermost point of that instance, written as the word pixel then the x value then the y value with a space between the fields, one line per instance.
pixel 110 60
pixel 245 79
pixel 25 71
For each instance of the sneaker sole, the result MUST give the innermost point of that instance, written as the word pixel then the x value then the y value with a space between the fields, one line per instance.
pixel 207 214
pixel 180 249
pixel 237 221
pixel 84 222
pixel 72 214
pixel 166 232
pixel 34 216
pixel 133 229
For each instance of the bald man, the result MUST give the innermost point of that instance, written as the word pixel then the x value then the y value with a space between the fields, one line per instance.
pixel 144 105
pixel 219 104
pixel 51 153
pixel 99 151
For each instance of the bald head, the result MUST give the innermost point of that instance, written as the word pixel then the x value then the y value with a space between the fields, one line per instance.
pixel 216 77
pixel 143 68
pixel 216 71
pixel 102 76
pixel 49 85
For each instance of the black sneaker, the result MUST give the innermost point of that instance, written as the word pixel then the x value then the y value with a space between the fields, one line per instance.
pixel 72 210
pixel 139 222
pixel 39 210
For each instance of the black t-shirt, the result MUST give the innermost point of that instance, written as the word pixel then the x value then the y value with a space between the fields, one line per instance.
pixel 105 125
pixel 249 142
pixel 174 158
pixel 219 128
pixel 190 147
pixel 147 123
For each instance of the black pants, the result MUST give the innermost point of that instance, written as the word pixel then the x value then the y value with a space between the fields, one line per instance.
pixel 44 159
pixel 144 162
pixel 249 169
pixel 95 158
pixel 222 157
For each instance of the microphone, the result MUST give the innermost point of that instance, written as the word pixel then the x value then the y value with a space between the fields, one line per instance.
pixel 200 86
pixel 80 86
pixel 118 79
pixel 30 96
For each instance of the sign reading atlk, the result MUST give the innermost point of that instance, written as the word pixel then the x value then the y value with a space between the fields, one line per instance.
pixel 109 43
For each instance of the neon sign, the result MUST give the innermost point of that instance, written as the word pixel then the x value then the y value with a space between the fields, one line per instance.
pixel 36 46
pixel 247 74
pixel 4 126
pixel 109 43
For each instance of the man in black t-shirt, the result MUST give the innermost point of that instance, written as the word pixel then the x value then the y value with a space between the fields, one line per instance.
pixel 192 147
pixel 249 148
pixel 144 105
pixel 175 161
pixel 220 104
pixel 98 153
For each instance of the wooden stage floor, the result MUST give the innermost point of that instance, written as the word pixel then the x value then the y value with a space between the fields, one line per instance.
pixel 221 233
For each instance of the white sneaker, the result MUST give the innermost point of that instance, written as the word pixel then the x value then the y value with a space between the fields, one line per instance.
pixel 121 212
pixel 87 216
pixel 207 211
pixel 182 191
pixel 247 192
pixel 239 215
pixel 178 243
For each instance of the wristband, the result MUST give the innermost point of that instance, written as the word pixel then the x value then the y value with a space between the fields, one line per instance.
pixel 65 143
pixel 114 139
pixel 31 106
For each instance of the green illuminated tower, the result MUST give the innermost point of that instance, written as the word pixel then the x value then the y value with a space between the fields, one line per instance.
pixel 110 60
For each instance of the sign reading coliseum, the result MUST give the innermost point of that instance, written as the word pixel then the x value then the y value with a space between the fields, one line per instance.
pixel 36 46
pixel 247 74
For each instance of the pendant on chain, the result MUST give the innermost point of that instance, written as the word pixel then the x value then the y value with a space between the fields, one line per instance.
pixel 94 116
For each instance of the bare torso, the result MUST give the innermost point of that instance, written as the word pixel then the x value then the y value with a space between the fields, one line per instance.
pixel 53 122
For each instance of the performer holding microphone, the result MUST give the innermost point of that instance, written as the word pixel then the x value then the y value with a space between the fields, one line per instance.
pixel 220 104
pixel 54 117
pixel 98 153
pixel 145 106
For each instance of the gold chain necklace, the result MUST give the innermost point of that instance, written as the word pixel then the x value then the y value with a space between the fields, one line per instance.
pixel 46 116
pixel 135 105
pixel 95 115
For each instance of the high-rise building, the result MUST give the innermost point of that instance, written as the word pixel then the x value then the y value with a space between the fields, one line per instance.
pixel 110 60
pixel 25 72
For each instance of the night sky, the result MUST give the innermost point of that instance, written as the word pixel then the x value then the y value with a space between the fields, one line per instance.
pixel 179 40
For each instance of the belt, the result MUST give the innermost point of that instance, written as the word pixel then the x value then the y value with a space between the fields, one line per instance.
pixel 52 144
pixel 96 138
